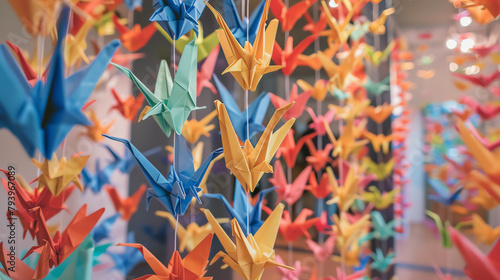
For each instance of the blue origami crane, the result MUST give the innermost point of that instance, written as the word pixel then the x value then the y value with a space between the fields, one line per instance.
pixel 182 184
pixel 443 196
pixel 178 17
pixel 381 262
pixel 129 258
pixel 133 4
pixel 127 162
pixel 381 229
pixel 241 204
pixel 101 177
pixel 256 112
pixel 41 116
pixel 362 264
pixel 239 27
pixel 102 230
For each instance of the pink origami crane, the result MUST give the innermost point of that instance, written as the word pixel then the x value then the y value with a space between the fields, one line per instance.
pixel 289 193
pixel 297 108
pixel 318 123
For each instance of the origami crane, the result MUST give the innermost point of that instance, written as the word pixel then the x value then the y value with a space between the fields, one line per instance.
pixel 253 253
pixel 483 81
pixel 313 60
pixel 29 199
pixel 486 112
pixel 191 235
pixel 171 102
pixel 378 26
pixel 289 193
pixel 348 233
pixel 379 142
pixel 444 194
pixel 318 91
pixel 319 122
pixel 380 170
pixel 379 113
pixel 21 269
pixel 486 142
pixel 322 251
pixel 248 64
pixel 129 107
pixel 289 150
pixel 318 158
pixel 136 38
pixel 381 262
pixel 206 72
pixel 28 12
pixel 377 88
pixel 49 109
pixel 249 163
pixel 256 112
pixel 177 17
pixel 194 129
pixel 128 259
pixel 205 44
pixel 119 58
pixel 25 65
pixel 191 267
pixel 95 131
pixel 478 266
pixel 379 200
pixel 483 11
pixel 321 190
pixel 95 181
pixel 57 175
pixel 289 56
pixel 241 204
pixel 377 57
pixel 315 27
pixel 381 229
pixel 102 231
pixel 126 206
pixel 339 74
pixel 293 230
pixel 299 99
pixel 338 33
pixel 483 51
pixel 75 46
pixel 182 185
pixel 343 195
pixel 243 29
pixel 484 232
pixel 484 199
pixel 287 274
pixel 54 250
pixel 288 16
pixel 442 228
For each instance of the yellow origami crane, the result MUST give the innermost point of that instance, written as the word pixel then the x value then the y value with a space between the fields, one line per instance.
pixel 248 164
pixel 251 254
pixel 379 141
pixel 340 74
pixel 77 44
pixel 378 25
pixel 194 129
pixel 248 64
pixel 343 195
pixel 484 232
pixel 338 33
pixel 379 200
pixel 95 131
pixel 484 199
pixel 379 113
pixel 37 16
pixel 57 175
pixel 348 232
pixel 193 234
pixel 380 170
pixel 318 91
pixel 349 255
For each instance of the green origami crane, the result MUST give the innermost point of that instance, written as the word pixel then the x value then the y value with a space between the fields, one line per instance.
pixel 442 228
pixel 377 88
pixel 205 44
pixel 171 102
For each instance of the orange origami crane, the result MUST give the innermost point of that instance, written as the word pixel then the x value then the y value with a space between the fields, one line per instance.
pixel 289 150
pixel 192 267
pixel 38 17
pixel 484 232
pixel 321 190
pixel 57 175
pixel 54 250
pixel 289 192
pixel 20 271
pixel 136 38
pixel 318 158
pixel 378 26
pixel 249 163
pixel 253 253
pixel 484 199
pixel 288 16
pixel 478 266
pixel 95 131
pixel 126 206
pixel 297 108
pixel 206 72
pixel 345 194
pixel 193 234
pixel 313 61
pixel 379 113
pixel 288 56
pixel 339 74
pixel 318 91
pixel 248 64
pixel 379 141
pixel 483 11
pixel 194 129
pixel 292 231
pixel 127 107
pixel 338 33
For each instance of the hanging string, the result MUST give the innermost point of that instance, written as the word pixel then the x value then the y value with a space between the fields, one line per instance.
pixel 246 101
pixel 175 233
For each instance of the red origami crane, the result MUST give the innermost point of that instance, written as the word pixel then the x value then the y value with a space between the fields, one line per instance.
pixel 292 231
pixel 289 16
pixel 288 56
pixel 135 38
pixel 127 107
pixel 289 150
pixel 126 206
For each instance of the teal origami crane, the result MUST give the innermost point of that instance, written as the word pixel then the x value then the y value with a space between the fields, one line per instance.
pixel 41 116
pixel 129 258
pixel 375 88
pixel 242 205
pixel 178 17
pixel 381 229
pixel 381 262
pixel 239 26
pixel 182 185
pixel 171 102
pixel 256 112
